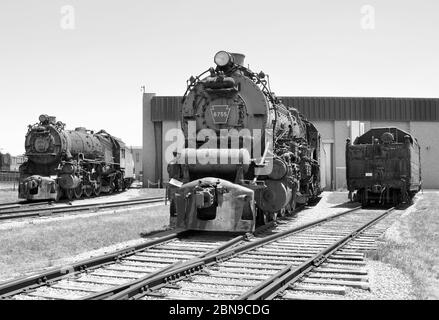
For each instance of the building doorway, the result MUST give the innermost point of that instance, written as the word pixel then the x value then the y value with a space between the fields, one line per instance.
pixel 326 166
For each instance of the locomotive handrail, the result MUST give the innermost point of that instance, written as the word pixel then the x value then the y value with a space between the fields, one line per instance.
pixel 192 84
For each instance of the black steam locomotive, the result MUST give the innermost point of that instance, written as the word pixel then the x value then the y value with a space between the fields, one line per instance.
pixel 383 166
pixel 246 156
pixel 72 163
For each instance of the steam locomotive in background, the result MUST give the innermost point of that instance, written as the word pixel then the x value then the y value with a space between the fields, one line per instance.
pixel 72 164
pixel 240 187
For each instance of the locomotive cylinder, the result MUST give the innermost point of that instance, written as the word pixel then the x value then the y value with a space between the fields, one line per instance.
pixel 276 196
pixel 69 181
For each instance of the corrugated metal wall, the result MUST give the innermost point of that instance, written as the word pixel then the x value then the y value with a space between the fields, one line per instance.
pixel 331 108
pixel 367 109
pixel 165 108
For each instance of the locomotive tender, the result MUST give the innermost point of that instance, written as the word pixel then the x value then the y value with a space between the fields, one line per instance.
pixel 246 156
pixel 383 166
pixel 5 161
pixel 72 163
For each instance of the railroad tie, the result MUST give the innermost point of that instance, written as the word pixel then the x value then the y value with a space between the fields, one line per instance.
pixel 341 270
pixel 213 291
pixel 340 276
pixel 73 287
pixel 292 295
pixel 337 282
pixel 316 288
pixel 224 282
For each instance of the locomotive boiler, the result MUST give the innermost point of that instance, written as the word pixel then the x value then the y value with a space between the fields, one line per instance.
pixel 383 166
pixel 246 156
pixel 72 163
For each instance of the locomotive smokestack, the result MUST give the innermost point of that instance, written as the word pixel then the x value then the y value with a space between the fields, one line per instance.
pixel 238 58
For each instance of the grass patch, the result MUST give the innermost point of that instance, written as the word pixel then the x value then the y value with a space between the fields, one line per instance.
pixel 413 246
pixel 8 194
pixel 33 247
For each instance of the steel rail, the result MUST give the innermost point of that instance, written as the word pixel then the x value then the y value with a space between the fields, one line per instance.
pixel 115 290
pixel 16 286
pixel 235 241
pixel 31 212
pixel 142 285
pixel 18 204
pixel 22 285
pixel 270 288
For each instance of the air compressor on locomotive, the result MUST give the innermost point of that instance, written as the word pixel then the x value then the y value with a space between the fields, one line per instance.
pixel 240 186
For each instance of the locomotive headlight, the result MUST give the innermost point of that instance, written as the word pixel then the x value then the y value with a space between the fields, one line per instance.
pixel 222 58
pixel 43 117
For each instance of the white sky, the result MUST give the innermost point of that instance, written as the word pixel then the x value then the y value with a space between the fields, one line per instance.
pixel 91 76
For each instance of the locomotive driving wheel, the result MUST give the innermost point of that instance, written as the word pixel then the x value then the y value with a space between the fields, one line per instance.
pixel 112 187
pixel 119 184
pixel 78 191
pixel 97 187
pixel 88 190
pixel 69 194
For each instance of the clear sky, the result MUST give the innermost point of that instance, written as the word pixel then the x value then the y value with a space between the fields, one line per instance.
pixel 92 75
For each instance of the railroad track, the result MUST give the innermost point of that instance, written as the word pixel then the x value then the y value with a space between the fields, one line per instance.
pixel 106 275
pixel 54 210
pixel 324 256
pixel 20 204
pixel 283 263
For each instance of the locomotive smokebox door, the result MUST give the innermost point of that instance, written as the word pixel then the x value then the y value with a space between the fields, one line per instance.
pixel 213 204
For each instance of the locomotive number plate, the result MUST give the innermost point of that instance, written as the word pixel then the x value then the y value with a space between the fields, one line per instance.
pixel 368 174
pixel 220 114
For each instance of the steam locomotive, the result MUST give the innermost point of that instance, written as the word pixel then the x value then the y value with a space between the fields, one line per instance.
pixel 72 164
pixel 246 157
pixel 383 166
